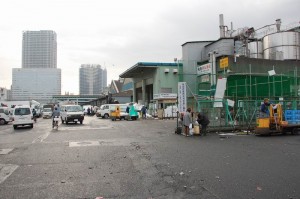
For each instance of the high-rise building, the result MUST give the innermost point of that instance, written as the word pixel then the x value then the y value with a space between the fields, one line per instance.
pixel 35 84
pixel 39 78
pixel 39 49
pixel 92 79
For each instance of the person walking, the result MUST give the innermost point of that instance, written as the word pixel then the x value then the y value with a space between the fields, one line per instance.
pixel 88 111
pixel 34 114
pixel 203 121
pixel 144 111
pixel 187 120
pixel 55 113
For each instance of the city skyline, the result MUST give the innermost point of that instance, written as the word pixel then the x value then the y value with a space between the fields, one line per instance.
pixel 119 34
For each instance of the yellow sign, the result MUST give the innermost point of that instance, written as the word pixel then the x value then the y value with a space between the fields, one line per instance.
pixel 224 62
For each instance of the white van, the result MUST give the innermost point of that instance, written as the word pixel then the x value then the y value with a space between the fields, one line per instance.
pixel 22 116
pixel 71 113
pixel 5 117
pixel 104 110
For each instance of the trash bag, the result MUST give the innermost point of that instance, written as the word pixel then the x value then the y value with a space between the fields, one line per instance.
pixel 178 130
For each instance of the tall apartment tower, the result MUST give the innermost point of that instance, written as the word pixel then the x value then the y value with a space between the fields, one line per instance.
pixel 39 49
pixel 39 78
pixel 92 79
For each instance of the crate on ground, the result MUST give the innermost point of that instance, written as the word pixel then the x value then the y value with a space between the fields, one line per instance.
pixel 289 118
pixel 294 122
pixel 296 117
pixel 289 113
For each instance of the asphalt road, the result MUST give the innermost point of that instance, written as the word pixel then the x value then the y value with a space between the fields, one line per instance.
pixel 144 159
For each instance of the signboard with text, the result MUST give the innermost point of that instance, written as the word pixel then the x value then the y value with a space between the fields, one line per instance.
pixel 204 69
pixel 204 78
pixel 182 100
pixel 165 96
pixel 224 62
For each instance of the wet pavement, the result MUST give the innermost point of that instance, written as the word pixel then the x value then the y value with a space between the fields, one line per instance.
pixel 144 159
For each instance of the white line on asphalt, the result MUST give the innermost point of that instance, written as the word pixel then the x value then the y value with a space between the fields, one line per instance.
pixel 5 151
pixel 83 128
pixel 6 170
pixel 41 138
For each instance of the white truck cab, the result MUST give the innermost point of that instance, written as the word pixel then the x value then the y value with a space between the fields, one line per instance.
pixel 71 113
pixel 104 110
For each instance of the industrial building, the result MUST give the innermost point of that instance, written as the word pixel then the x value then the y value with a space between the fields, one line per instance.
pixel 252 64
pixel 153 84
pixel 257 63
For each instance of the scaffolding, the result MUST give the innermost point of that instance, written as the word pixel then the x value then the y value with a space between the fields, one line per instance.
pixel 261 86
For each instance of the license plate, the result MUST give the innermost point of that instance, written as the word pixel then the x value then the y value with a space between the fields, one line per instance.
pixel 75 120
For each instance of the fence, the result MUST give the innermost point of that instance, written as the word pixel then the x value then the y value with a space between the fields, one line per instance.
pixel 218 112
pixel 244 113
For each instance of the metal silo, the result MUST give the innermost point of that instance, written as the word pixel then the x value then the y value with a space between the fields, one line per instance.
pixel 256 49
pixel 282 46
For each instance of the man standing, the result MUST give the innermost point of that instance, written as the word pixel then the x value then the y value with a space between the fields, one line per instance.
pixel 264 108
pixel 187 120
pixel 204 121
pixel 144 111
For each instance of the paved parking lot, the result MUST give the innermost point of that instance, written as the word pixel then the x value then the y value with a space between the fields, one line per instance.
pixel 144 159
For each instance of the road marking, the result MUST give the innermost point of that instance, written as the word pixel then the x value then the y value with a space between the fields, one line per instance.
pixel 6 170
pixel 71 128
pixel 5 151
pixel 84 143
pixel 41 138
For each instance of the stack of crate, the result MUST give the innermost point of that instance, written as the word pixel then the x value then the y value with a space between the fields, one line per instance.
pixel 292 116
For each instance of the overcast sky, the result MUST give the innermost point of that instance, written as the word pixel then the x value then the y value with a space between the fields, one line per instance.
pixel 119 33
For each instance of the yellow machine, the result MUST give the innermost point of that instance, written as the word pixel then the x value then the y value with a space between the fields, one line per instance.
pixel 275 123
pixel 115 114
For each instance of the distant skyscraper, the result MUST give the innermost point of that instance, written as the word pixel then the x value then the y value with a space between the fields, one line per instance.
pixel 39 78
pixel 39 49
pixel 92 79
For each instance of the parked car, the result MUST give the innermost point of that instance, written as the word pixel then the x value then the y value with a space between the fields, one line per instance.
pixel 47 113
pixel 71 113
pixel 5 117
pixel 22 116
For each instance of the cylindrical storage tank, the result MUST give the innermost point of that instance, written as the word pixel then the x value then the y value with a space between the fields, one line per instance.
pixel 282 46
pixel 256 49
